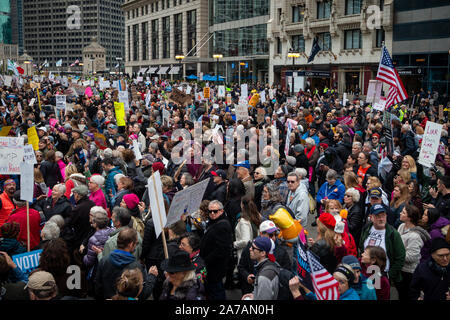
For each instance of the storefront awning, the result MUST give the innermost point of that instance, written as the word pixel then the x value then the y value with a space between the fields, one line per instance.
pixel 174 70
pixel 163 70
pixel 142 70
pixel 152 70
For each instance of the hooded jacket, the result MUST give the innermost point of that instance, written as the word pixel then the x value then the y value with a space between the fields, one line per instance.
pixel 336 191
pixel 98 239
pixel 109 182
pixel 432 279
pixel 413 240
pixel 435 232
pixel 111 267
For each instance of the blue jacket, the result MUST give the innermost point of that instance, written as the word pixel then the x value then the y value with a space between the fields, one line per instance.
pixel 110 184
pixel 350 294
pixel 336 191
pixel 362 289
pixel 315 137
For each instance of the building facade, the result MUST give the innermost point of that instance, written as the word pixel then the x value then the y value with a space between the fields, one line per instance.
pixel 421 44
pixel 156 31
pixel 94 58
pixel 349 32
pixel 60 29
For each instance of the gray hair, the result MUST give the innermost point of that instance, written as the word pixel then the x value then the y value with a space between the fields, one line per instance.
pixel 274 192
pixel 353 193
pixel 406 127
pixel 310 141
pixel 218 203
pixel 50 231
pixel 263 171
pixel 301 172
pixel 61 187
pixel 81 190
pixel 331 174
pixel 59 154
pixel 117 177
pixel 58 219
pixel 358 144
pixel 100 219
pixel 98 209
pixel 294 174
pixel 98 180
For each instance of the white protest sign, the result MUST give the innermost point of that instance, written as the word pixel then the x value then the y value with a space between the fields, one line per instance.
pixel 60 101
pixel 241 112
pixel 221 92
pixel 115 84
pixel 344 99
pixel 430 144
pixel 32 102
pixel 28 154
pixel 262 96
pixel 157 202
pixel 104 85
pixel 272 93
pixel 123 97
pixel 374 91
pixel 19 107
pixel 188 89
pixel 136 150
pixel 86 83
pixel 11 155
pixel 178 206
pixel 8 80
pixel 380 105
pixel 148 98
pixel 26 181
pixel 244 90
pixel 140 79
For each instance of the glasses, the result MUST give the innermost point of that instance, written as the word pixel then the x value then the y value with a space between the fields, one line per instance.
pixel 255 248
pixel 443 256
pixel 291 181
pixel 347 195
pixel 214 211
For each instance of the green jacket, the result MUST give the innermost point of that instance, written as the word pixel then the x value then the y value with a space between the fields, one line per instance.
pixel 395 250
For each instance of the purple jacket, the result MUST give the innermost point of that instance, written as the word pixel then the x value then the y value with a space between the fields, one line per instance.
pixel 435 232
pixel 98 239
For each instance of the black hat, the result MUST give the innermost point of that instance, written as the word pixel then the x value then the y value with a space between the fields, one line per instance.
pixel 220 173
pixel 178 262
pixel 439 243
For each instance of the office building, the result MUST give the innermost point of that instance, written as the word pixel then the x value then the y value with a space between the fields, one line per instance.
pixel 60 29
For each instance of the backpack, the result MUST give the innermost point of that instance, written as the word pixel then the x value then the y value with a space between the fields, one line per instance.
pixel 284 275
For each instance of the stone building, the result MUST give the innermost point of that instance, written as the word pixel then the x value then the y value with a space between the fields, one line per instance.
pixel 94 58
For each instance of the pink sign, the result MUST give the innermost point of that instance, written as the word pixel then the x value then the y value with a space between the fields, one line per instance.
pixel 52 122
pixel 345 120
pixel 88 92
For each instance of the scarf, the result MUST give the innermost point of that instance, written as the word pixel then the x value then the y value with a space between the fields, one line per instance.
pixel 310 153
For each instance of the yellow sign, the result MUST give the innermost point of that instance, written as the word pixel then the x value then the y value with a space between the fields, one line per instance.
pixel 39 100
pixel 119 108
pixel 5 131
pixel 33 138
pixel 206 92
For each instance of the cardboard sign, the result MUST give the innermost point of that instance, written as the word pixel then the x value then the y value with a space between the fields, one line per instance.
pixel 5 131
pixel 26 181
pixel 180 97
pixel 119 109
pixel 28 261
pixel 241 112
pixel 11 155
pixel 430 144
pixel 60 101
pixel 374 91
pixel 157 202
pixel 28 154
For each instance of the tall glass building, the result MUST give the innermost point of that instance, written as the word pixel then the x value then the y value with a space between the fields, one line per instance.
pixel 239 29
pixel 5 22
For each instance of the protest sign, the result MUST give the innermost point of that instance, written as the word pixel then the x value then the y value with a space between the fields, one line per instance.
pixel 11 155
pixel 380 105
pixel 100 141
pixel 28 154
pixel 148 99
pixel 33 138
pixel 188 89
pixel 166 116
pixel 120 113
pixel 7 81
pixel 157 206
pixel 60 101
pixel 123 98
pixel 26 181
pixel 5 131
pixel 241 112
pixel 344 99
pixel 302 269
pixel 221 92
pixel 261 115
pixel 136 150
pixel 199 96
pixel 244 90
pixel 206 92
pixel 79 89
pixel 28 261
pixel 374 91
pixel 180 97
pixel 345 120
pixel 228 101
pixel 262 96
pixel 430 144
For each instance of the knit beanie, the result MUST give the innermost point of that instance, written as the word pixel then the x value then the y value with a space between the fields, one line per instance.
pixel 131 200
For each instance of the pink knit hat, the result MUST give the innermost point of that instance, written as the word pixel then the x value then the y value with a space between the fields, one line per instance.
pixel 131 200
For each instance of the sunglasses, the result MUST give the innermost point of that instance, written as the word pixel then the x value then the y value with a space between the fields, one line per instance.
pixel 291 181
pixel 214 211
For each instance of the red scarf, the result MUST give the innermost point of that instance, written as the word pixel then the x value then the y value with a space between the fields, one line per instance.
pixel 310 153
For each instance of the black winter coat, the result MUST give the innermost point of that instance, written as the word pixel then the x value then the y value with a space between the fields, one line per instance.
pixel 215 248
pixel 51 173
pixel 433 280
pixel 220 193
pixel 62 207
pixel 355 220
pixel 79 222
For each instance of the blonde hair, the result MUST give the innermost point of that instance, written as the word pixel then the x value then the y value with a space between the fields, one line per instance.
pixel 38 177
pixel 129 284
pixel 332 202
pixel 404 195
pixel 375 181
pixel 412 164
pixel 70 169
pixel 351 180
pixel 326 234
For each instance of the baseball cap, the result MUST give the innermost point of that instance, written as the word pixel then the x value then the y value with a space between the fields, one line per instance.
pixel 244 164
pixel 219 173
pixel 375 193
pixel 268 227
pixel 299 148
pixel 112 126
pixel 41 280
pixel 377 209
pixel 154 137
pixel 43 129
pixel 263 243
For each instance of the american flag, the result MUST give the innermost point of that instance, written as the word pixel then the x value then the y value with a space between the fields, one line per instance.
pixel 325 286
pixel 388 74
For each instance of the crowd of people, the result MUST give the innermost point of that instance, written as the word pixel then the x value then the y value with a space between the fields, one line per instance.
pixel 372 206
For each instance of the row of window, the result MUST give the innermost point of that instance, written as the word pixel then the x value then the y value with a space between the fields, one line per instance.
pixel 154 7
pixel 352 40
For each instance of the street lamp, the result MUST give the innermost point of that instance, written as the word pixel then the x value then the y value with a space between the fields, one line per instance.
pixel 293 54
pixel 217 56
pixel 180 58
pixel 92 66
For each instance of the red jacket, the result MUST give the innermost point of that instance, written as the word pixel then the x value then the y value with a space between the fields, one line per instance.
pixel 20 215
